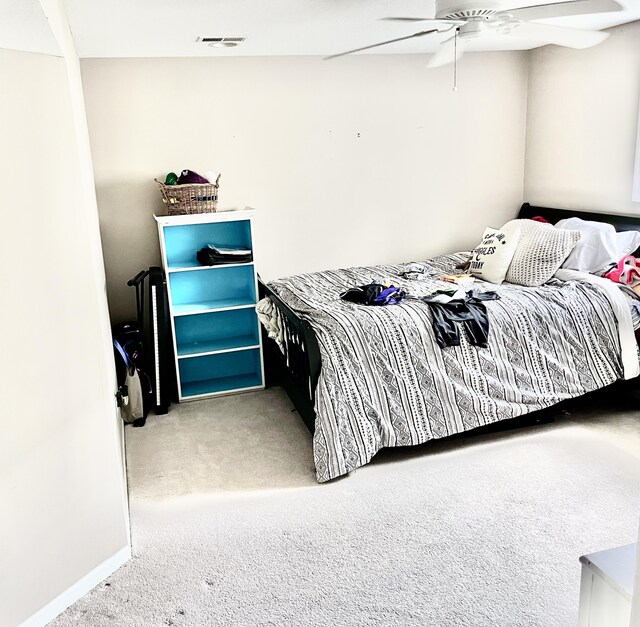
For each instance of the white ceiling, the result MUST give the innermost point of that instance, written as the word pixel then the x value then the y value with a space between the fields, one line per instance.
pixel 169 28
pixel 23 26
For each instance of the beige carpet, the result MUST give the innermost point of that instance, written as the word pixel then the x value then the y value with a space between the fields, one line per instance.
pixel 230 528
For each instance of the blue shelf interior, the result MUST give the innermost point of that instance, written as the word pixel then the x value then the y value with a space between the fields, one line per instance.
pixel 202 291
pixel 220 373
pixel 224 330
pixel 220 287
pixel 184 241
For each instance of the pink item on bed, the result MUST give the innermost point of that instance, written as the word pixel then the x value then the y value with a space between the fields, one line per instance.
pixel 540 219
pixel 626 271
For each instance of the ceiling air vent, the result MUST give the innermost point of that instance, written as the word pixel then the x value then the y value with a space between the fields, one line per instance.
pixel 221 42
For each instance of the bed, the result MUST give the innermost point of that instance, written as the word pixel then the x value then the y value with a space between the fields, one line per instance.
pixel 366 378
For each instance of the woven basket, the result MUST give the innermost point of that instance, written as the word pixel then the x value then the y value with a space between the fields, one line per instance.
pixel 191 198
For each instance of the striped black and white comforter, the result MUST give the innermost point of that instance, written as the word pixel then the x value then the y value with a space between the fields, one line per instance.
pixel 385 381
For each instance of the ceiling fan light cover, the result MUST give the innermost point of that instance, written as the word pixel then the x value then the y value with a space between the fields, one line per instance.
pixel 471 30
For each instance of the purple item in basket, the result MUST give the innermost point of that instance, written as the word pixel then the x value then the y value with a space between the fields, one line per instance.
pixel 189 177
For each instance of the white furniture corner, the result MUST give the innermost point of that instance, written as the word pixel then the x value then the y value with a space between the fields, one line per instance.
pixel 606 587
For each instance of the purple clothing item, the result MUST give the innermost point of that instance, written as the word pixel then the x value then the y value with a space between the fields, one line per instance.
pixel 374 294
pixel 190 177
pixel 390 296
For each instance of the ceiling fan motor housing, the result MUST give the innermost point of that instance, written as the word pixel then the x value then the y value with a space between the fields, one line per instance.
pixel 464 9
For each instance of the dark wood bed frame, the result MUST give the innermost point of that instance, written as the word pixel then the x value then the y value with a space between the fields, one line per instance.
pixel 298 369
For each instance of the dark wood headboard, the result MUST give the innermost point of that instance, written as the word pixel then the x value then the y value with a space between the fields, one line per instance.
pixel 620 222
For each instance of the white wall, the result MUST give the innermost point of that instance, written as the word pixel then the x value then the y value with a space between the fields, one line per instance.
pixel 582 127
pixel 358 161
pixel 62 489
pixel 635 601
pixel 582 124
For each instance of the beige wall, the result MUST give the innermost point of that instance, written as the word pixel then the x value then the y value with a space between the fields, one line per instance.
pixel 582 124
pixel 364 160
pixel 62 490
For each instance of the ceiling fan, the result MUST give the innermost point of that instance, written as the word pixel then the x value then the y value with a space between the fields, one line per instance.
pixel 469 19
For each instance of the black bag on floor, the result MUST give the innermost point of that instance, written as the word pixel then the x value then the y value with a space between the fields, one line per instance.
pixel 135 392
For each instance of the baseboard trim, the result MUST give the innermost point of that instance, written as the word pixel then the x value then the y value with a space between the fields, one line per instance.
pixel 78 589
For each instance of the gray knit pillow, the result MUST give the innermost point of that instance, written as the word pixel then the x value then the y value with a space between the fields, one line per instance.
pixel 541 250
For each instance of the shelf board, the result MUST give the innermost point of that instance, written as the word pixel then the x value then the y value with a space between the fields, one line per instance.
pixel 222 304
pixel 224 345
pixel 224 215
pixel 221 384
pixel 189 267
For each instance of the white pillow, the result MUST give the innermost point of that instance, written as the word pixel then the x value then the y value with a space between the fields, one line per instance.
pixel 540 252
pixel 491 258
pixel 599 246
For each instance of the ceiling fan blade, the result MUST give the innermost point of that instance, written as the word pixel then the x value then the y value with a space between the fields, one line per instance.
pixel 431 21
pixel 562 9
pixel 407 19
pixel 448 52
pixel 559 35
pixel 382 43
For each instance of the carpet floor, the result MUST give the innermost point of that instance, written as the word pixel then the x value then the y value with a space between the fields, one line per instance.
pixel 229 526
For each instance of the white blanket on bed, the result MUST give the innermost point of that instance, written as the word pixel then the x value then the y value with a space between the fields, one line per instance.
pixel 622 311
pixel 269 316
